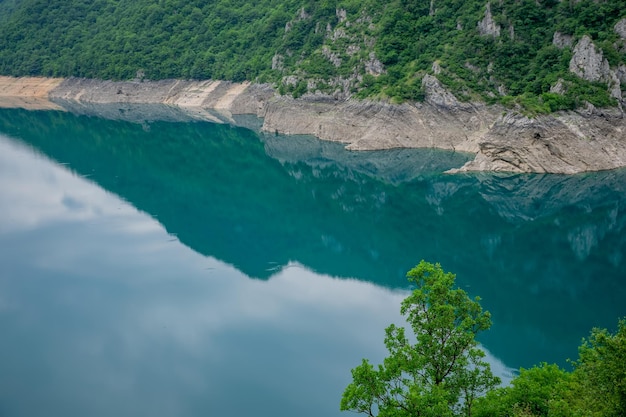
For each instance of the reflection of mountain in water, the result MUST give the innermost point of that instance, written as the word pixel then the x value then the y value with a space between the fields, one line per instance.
pixel 527 197
pixel 215 188
pixel 546 253
pixel 393 166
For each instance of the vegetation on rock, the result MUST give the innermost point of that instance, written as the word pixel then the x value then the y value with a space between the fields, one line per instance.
pixel 514 52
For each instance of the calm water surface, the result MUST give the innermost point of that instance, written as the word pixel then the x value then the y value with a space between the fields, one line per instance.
pixel 168 268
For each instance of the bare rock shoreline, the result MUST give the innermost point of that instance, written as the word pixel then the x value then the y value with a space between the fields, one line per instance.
pixel 566 143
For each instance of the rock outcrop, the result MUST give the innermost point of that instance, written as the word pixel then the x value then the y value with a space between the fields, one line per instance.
pixel 559 87
pixel 561 40
pixel 365 125
pixel 488 26
pixel 621 73
pixel 620 28
pixel 437 95
pixel 588 63
pixel 567 142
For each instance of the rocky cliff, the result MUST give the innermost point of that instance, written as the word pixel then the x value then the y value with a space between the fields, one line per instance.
pixel 567 142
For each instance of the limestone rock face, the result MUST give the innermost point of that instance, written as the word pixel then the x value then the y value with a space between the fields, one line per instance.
pixel 436 68
pixel 562 41
pixel 587 62
pixel 620 28
pixel 342 15
pixel 437 95
pixel 615 89
pixel 278 62
pixel 621 73
pixel 488 26
pixel 367 125
pixel 559 87
pixel 27 92
pixel 373 66
pixel 331 56
pixel 568 143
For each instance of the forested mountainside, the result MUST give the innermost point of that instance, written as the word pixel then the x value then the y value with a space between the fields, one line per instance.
pixel 544 55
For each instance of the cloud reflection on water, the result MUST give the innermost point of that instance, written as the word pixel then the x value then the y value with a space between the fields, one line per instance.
pixel 36 193
pixel 108 315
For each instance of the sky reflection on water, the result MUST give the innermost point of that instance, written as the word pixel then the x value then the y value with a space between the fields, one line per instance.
pixel 104 313
pixel 264 268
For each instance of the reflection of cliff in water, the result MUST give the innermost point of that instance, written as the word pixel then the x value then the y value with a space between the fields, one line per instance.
pixel 215 188
pixel 394 166
pixel 546 253
pixel 526 197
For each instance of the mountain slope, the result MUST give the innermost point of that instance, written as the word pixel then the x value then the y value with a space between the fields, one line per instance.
pixel 541 56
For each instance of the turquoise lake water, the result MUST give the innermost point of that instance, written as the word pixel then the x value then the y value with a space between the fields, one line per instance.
pixel 187 268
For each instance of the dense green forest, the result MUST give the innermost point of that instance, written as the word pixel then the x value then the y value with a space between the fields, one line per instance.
pixel 505 51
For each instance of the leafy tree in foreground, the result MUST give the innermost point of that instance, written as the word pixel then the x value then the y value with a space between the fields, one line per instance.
pixel 544 390
pixel 601 370
pixel 439 372
pixel 596 387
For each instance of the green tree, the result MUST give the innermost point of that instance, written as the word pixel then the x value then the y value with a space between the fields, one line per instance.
pixel 544 390
pixel 601 371
pixel 440 371
pixel 596 387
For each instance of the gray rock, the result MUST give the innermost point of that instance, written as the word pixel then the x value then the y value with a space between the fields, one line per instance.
pixel 331 56
pixel 290 80
pixel 587 61
pixel 278 62
pixel 339 33
pixel 342 15
pixel 436 94
pixel 559 87
pixel 562 41
pixel 620 28
pixel 568 143
pixel 352 49
pixel 614 84
pixel 488 26
pixel 373 66
pixel 621 73
pixel 436 68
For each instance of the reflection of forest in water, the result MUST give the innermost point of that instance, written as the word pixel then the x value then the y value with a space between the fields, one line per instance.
pixel 545 252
